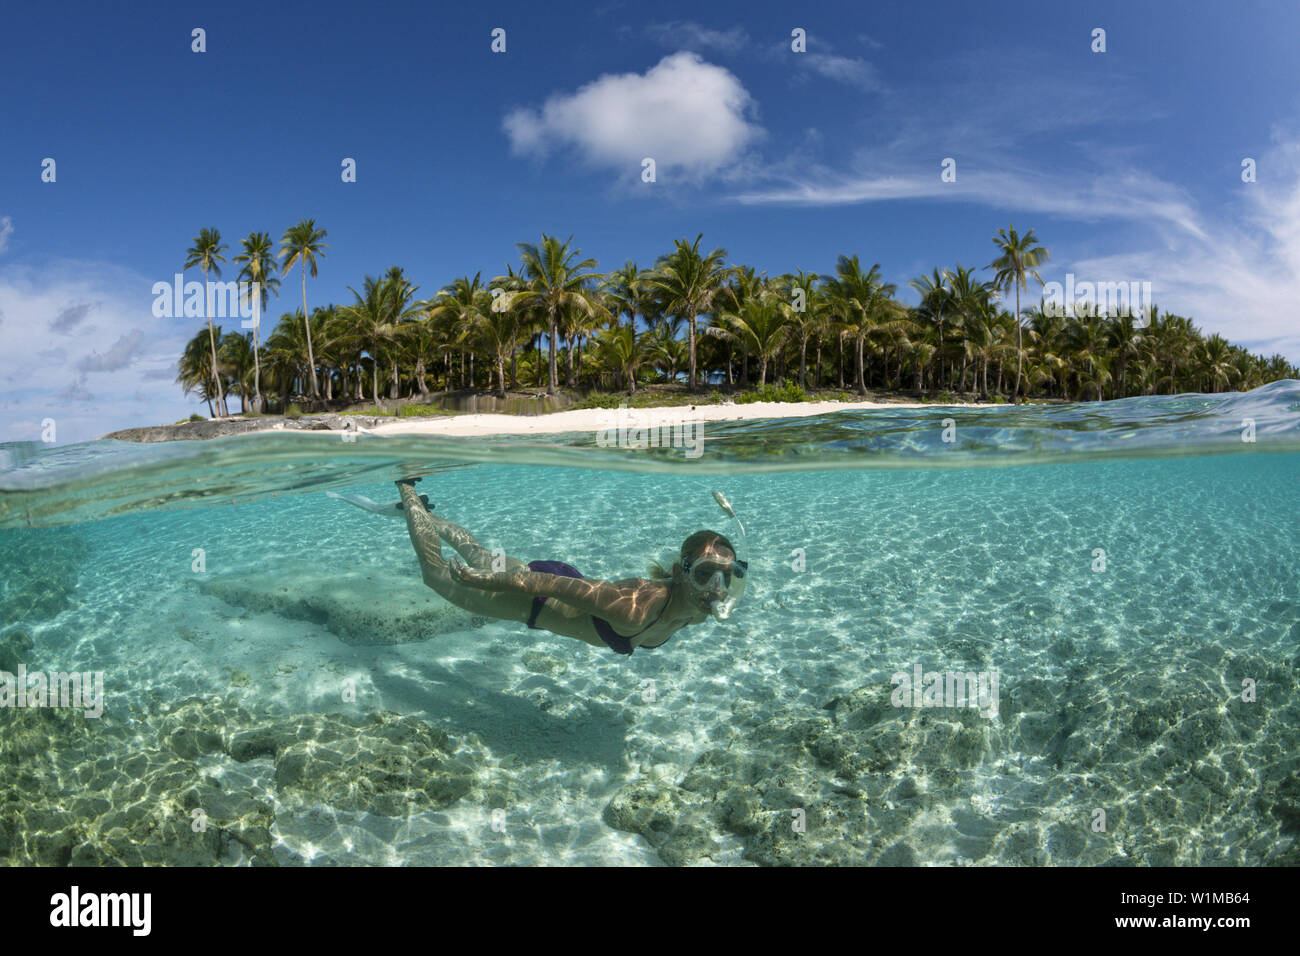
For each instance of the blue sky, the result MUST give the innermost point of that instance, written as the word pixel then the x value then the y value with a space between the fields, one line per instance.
pixel 1127 163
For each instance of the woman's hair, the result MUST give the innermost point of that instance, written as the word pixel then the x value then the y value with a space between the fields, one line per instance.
pixel 692 547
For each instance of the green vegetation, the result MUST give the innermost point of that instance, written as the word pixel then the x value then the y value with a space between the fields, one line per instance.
pixel 554 322
pixel 785 392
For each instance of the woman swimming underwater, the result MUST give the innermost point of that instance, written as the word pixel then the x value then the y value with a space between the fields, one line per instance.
pixel 707 579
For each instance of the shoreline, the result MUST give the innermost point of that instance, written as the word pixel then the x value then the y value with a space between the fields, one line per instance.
pixel 484 425
pixel 596 419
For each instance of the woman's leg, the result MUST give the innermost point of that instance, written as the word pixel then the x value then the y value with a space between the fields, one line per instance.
pixel 475 555
pixel 428 548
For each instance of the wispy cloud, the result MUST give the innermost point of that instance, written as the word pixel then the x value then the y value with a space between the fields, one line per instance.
pixel 1125 194
pixel 1240 275
pixel 6 230
pixel 688 35
pixel 819 59
pixel 81 374
pixel 843 69
pixel 119 355
pixel 70 316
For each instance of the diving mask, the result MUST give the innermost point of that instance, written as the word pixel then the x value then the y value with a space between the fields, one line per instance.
pixel 726 580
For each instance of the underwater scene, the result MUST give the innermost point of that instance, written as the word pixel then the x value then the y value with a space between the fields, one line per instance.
pixel 1032 635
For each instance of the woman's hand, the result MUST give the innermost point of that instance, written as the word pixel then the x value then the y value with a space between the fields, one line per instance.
pixel 463 573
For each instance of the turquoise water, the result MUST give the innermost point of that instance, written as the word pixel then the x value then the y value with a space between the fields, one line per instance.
pixel 317 704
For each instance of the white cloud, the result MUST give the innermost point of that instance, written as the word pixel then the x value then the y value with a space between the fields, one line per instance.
pixel 690 116
pixel 6 230
pixel 1238 276
pixel 81 373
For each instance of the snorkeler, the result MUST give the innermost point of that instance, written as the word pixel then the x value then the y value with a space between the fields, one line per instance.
pixel 706 579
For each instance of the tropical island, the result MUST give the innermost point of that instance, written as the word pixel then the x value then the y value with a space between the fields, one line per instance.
pixel 552 332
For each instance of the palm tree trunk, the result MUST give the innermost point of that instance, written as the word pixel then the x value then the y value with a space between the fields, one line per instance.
pixel 1016 399
pixel 551 379
pixel 212 340
pixel 692 330
pixel 311 356
pixel 803 362
pixel 257 365
pixel 862 385
pixel 216 377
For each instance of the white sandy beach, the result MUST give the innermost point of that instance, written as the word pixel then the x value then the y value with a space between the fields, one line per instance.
pixel 594 419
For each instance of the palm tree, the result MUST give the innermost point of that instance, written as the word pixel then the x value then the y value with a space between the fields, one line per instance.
pixel 1126 340
pixel 194 370
pixel 686 282
pixel 1090 359
pixel 258 265
pixel 936 298
pixel 858 297
pixel 1217 362
pixel 760 326
pixel 1020 258
pixel 619 349
pixel 627 286
pixel 399 295
pixel 302 245
pixel 664 350
pixel 286 355
pixel 237 357
pixel 968 298
pixel 373 325
pixel 206 253
pixel 982 340
pixel 804 322
pixel 555 281
pixel 469 307
pixel 1047 340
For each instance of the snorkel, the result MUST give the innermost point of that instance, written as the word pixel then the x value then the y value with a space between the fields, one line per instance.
pixel 735 589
